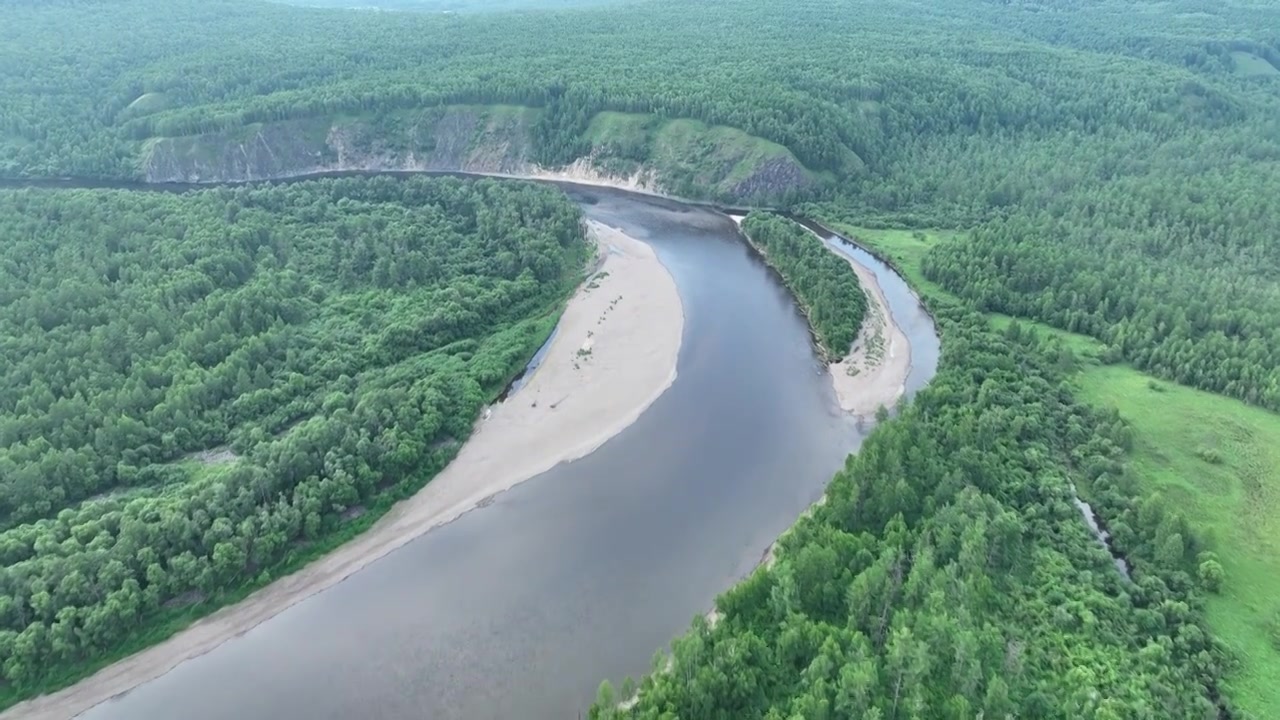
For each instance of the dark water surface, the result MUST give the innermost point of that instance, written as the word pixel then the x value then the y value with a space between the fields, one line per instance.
pixel 520 609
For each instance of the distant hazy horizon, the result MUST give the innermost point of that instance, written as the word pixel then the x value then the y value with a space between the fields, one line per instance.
pixel 455 6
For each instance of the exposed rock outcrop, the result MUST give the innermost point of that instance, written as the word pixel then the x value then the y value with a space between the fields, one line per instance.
pixel 494 140
pixel 457 139
pixel 773 178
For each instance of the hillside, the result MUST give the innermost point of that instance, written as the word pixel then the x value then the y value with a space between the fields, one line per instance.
pixel 682 157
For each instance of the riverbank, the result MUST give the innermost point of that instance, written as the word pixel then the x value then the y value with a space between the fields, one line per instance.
pixel 874 372
pixel 582 172
pixel 613 355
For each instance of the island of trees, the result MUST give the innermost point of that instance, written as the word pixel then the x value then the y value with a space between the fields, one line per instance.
pixel 821 281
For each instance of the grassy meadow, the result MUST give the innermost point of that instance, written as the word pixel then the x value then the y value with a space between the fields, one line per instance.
pixel 1218 461
pixel 1214 458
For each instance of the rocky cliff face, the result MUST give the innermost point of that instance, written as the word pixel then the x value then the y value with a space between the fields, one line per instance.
pixel 773 178
pixel 456 139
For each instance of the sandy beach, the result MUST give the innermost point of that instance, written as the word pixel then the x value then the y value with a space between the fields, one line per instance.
pixel 874 373
pixel 613 355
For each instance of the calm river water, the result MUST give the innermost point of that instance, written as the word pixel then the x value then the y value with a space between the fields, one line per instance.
pixel 520 609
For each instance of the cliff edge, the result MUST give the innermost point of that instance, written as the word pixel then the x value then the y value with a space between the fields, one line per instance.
pixel 682 157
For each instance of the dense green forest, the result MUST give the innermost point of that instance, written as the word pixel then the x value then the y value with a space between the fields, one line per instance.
pixel 1198 310
pixel 821 280
pixel 1115 161
pixel 1108 167
pixel 948 574
pixel 1211 462
pixel 197 387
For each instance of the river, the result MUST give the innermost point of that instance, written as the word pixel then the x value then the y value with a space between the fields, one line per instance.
pixel 521 608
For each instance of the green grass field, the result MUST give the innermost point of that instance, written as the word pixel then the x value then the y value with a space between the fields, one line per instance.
pixel 1086 348
pixel 722 145
pixel 906 248
pixel 691 156
pixel 1234 503
pixel 621 129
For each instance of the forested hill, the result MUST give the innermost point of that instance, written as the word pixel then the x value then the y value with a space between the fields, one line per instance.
pixel 201 391
pixel 870 93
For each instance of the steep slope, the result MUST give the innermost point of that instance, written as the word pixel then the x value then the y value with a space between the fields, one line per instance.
pixel 462 138
pixel 684 157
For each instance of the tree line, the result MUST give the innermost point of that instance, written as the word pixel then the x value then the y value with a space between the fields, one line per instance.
pixel 1190 304
pixel 1065 134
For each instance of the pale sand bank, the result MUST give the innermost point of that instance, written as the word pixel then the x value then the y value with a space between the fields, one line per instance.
pixel 874 373
pixel 613 355
pixel 584 172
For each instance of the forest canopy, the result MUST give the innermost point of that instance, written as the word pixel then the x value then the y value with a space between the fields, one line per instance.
pixel 1116 165
pixel 197 385
pixel 948 574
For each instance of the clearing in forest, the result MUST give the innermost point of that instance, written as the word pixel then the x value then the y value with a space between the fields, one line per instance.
pixel 1217 460
pixel 690 155
pixel 1251 65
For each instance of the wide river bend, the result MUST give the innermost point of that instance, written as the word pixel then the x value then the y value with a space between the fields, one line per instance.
pixel 521 608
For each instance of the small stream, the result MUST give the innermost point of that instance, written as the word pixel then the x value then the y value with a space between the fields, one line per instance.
pixel 905 306
pixel 851 249
pixel 1100 533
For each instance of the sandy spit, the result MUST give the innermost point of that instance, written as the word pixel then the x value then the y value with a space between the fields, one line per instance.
pixel 874 373
pixel 614 354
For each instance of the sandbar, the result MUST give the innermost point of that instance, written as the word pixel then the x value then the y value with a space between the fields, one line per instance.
pixel 874 373
pixel 613 355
